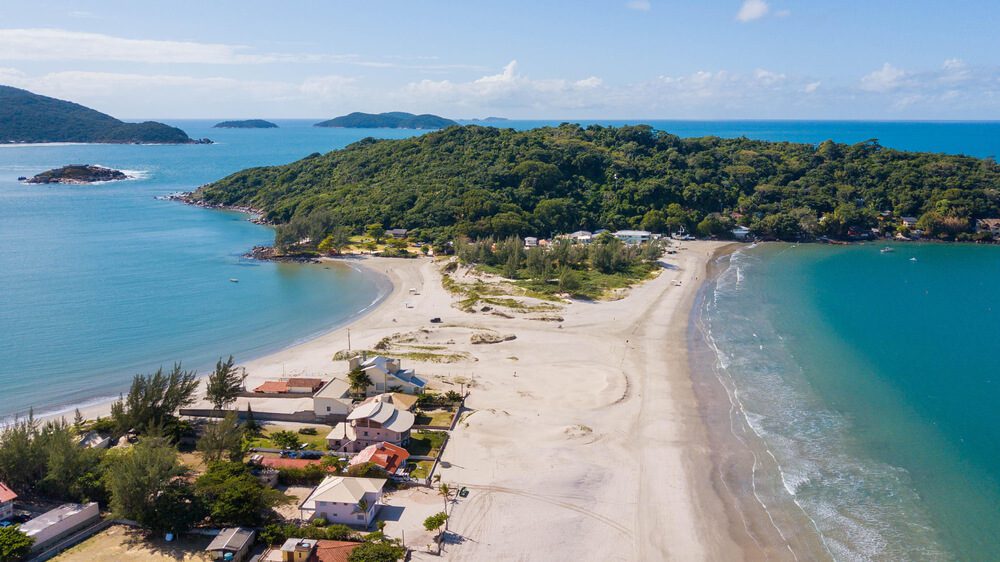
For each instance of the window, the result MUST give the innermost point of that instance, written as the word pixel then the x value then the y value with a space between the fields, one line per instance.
pixel 327 408
pixel 366 434
pixel 361 517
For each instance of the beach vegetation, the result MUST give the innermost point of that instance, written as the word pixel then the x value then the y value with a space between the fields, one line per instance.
pixel 153 400
pixel 234 497
pixel 136 476
pixel 223 440
pixel 277 533
pixel 377 548
pixel 14 544
pixel 224 384
pixel 359 381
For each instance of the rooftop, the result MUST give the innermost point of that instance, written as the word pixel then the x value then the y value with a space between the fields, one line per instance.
pixel 381 410
pixel 336 388
pixel 388 456
pixel 50 518
pixel 334 551
pixel 232 539
pixel 342 489
pixel 6 494
pixel 273 386
pixel 310 382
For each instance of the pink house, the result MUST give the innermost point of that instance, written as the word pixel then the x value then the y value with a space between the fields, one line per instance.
pixel 7 497
pixel 377 419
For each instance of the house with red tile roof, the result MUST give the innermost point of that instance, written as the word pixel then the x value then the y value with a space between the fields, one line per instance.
pixel 310 550
pixel 7 497
pixel 272 387
pixel 298 385
pixel 390 457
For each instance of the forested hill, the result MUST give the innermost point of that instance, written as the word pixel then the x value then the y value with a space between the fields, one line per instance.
pixel 390 120
pixel 484 181
pixel 28 117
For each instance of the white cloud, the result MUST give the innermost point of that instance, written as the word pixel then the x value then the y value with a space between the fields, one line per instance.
pixel 885 79
pixel 752 10
pixel 640 5
pixel 64 45
pixel 768 78
pixel 811 87
pixel 955 70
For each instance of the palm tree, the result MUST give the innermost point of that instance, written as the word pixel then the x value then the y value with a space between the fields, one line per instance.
pixel 445 491
pixel 359 381
pixel 363 506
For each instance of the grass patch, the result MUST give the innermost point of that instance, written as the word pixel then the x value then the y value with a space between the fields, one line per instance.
pixel 435 417
pixel 429 357
pixel 426 443
pixel 316 442
pixel 421 469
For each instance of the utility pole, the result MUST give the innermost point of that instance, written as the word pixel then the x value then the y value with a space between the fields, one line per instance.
pixel 348 339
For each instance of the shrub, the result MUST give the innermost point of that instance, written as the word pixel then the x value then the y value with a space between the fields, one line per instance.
pixel 307 431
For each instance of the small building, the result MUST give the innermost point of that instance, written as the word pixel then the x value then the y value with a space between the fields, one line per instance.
pixel 310 550
pixel 232 544
pixel 387 375
pixel 989 225
pixel 530 241
pixel 581 237
pixel 304 385
pixel 377 419
pixel 333 399
pixel 344 500
pixel 94 440
pixel 7 497
pixel 633 236
pixel 397 232
pixel 390 457
pixel 60 522
pixel 908 222
pixel 272 387
pixel 741 233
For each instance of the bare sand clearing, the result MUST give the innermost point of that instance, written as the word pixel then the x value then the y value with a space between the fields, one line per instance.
pixel 584 439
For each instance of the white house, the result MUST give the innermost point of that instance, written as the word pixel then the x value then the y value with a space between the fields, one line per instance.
pixel 387 375
pixel 344 500
pixel 59 522
pixel 376 419
pixel 633 236
pixel 908 222
pixel 334 399
pixel 94 440
pixel 581 237
pixel 530 241
pixel 7 497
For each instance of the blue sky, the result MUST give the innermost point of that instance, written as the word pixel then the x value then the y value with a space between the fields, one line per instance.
pixel 670 59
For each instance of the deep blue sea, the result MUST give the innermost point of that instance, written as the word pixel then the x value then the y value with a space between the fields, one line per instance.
pixel 871 378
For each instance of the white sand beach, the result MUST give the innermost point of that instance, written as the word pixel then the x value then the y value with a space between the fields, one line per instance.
pixel 584 439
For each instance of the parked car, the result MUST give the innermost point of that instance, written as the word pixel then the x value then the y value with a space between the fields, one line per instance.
pixel 436 320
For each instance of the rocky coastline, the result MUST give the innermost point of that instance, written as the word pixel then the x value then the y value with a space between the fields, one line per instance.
pixel 77 174
pixel 256 215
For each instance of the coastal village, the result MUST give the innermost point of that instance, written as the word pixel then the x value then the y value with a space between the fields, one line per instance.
pixel 413 427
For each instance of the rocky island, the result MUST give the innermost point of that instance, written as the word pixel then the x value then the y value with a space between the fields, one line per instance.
pixel 245 124
pixel 78 174
pixel 390 120
pixel 26 117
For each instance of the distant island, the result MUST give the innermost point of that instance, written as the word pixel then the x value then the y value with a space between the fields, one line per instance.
pixel 26 117
pixel 78 174
pixel 245 124
pixel 391 120
pixel 489 120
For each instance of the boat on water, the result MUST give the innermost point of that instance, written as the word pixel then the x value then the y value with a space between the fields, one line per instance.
pixel 913 259
pixel 233 280
pixel 887 250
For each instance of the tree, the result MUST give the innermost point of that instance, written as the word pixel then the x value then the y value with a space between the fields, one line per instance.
pixel 654 221
pixel 222 439
pixel 153 399
pixel 359 381
pixel 434 523
pixel 568 280
pixel 366 470
pixel 14 544
pixel 225 384
pixel 22 460
pixel 385 551
pixel 135 477
pixel 336 241
pixel 233 496
pixel 72 472
pixel 445 492
pixel 250 426
pixel 375 231
pixel 176 509
pixel 285 439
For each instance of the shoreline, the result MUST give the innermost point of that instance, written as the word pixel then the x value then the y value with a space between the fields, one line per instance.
pixel 609 369
pixel 101 406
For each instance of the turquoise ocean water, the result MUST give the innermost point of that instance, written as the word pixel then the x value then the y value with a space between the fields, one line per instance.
pixel 871 378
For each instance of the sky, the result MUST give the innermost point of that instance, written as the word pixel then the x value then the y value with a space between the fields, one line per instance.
pixel 531 59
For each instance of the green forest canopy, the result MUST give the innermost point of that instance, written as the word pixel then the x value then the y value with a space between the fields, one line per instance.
pixel 483 181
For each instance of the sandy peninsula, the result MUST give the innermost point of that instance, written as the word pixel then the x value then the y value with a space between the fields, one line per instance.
pixel 584 439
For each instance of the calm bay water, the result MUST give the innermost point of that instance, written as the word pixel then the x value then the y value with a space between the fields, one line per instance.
pixel 872 379
pixel 100 282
